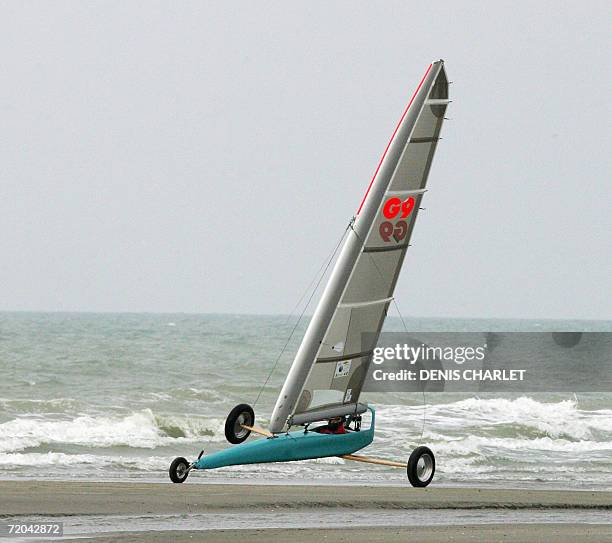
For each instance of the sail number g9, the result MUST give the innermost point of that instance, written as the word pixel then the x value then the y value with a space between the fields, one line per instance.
pixel 391 209
pixel 394 205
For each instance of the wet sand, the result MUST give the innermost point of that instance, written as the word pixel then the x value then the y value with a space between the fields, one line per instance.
pixel 81 500
pixel 541 533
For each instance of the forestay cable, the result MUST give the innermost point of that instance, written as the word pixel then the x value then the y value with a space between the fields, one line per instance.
pixel 324 266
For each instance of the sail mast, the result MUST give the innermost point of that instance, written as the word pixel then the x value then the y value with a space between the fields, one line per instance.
pixel 345 264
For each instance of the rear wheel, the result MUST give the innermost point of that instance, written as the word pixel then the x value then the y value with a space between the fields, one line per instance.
pixel 179 470
pixel 242 415
pixel 421 467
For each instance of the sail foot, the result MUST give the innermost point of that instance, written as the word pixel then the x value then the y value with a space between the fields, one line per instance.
pixel 326 413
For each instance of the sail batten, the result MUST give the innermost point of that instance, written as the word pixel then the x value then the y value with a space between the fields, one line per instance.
pixel 331 364
pixel 344 357
pixel 365 304
pixel 386 249
pixel 405 192
pixel 437 101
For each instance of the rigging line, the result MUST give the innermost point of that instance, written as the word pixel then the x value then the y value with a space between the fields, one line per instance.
pixel 423 390
pixel 401 318
pixel 322 275
pixel 307 290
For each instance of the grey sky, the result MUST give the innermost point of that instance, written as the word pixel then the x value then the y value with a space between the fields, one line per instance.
pixel 205 158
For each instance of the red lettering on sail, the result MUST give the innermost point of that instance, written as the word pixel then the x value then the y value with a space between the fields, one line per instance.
pixel 400 230
pixel 393 206
pixel 388 230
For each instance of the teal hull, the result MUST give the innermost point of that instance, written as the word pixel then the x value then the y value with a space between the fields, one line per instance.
pixel 290 447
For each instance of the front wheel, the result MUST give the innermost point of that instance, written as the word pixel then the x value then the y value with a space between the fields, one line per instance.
pixel 242 415
pixel 421 467
pixel 179 470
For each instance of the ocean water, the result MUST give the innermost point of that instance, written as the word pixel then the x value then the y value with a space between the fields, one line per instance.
pixel 109 396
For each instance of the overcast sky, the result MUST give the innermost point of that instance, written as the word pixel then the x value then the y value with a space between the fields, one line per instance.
pixel 205 158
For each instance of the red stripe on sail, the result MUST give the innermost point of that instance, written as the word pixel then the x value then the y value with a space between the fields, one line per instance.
pixel 391 140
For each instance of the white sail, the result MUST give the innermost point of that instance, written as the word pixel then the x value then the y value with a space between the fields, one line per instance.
pixel 329 369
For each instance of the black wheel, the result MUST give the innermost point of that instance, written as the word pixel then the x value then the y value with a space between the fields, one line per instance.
pixel 421 467
pixel 242 414
pixel 179 470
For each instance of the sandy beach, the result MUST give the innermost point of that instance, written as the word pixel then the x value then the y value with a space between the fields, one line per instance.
pixel 132 511
pixel 436 534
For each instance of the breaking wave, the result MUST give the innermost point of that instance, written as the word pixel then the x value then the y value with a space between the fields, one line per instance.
pixel 521 418
pixel 476 439
pixel 514 439
pixel 141 429
pixel 150 463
